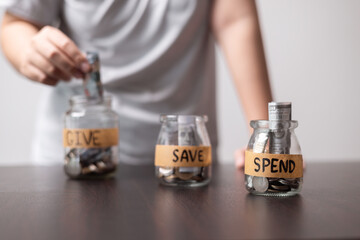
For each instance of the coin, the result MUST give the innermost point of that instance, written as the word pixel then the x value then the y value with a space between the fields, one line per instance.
pixel 94 161
pixel 292 182
pixel 183 175
pixel 281 188
pixel 166 171
pixel 73 167
pixel 261 184
pixel 249 181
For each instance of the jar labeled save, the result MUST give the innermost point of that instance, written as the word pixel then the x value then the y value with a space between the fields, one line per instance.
pixel 273 159
pixel 90 138
pixel 183 151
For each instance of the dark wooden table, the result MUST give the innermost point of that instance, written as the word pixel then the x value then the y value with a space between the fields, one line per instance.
pixel 42 203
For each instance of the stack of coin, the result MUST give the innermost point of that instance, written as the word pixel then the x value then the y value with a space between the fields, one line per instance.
pixel 88 162
pixel 176 174
pixel 281 185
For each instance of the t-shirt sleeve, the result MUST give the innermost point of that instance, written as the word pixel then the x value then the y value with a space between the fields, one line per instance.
pixel 41 12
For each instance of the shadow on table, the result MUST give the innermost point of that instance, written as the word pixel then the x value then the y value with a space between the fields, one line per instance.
pixel 274 216
pixel 181 212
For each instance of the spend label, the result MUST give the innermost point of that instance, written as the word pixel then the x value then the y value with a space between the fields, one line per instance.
pixel 273 165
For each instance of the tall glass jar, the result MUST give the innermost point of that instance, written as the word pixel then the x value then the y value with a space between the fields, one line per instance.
pixel 273 160
pixel 90 138
pixel 183 151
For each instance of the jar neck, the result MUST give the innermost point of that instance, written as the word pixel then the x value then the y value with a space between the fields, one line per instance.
pixel 183 119
pixel 84 102
pixel 269 125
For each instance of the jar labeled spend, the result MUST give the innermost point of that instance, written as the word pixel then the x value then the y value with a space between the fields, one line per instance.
pixel 183 151
pixel 90 138
pixel 273 160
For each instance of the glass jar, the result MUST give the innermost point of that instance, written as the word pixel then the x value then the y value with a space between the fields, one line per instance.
pixel 90 138
pixel 183 151
pixel 273 160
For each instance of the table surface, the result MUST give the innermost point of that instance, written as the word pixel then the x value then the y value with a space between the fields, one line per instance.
pixel 42 203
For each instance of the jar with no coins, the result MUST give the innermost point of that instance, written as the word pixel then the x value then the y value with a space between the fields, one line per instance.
pixel 273 160
pixel 90 138
pixel 183 151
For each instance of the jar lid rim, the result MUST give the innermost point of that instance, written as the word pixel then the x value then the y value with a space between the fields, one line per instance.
pixel 82 99
pixel 183 118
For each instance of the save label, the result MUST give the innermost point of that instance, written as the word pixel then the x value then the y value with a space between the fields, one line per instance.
pixel 182 156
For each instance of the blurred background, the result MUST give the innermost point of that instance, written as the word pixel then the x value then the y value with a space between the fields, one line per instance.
pixel 313 54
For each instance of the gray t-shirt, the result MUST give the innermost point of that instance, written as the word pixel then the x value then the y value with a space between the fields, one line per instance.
pixel 157 57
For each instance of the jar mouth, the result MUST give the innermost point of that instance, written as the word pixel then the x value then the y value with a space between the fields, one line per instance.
pixel 183 118
pixel 83 100
pixel 265 124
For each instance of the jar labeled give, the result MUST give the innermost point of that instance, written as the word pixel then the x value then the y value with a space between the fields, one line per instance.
pixel 90 138
pixel 183 151
pixel 273 160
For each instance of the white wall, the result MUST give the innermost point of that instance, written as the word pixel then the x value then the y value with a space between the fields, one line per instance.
pixel 313 54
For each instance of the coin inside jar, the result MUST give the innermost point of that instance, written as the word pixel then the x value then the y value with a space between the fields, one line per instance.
pixel 180 175
pixel 249 181
pixel 261 184
pixel 186 173
pixel 83 162
pixel 166 171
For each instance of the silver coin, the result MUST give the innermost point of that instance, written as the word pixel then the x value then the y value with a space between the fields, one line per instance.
pixel 166 171
pixel 261 184
pixel 271 180
pixel 281 188
pixel 194 170
pixel 249 180
pixel 184 175
pixel 73 167
pixel 101 165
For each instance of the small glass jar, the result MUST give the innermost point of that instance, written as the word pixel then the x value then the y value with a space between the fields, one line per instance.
pixel 273 160
pixel 183 151
pixel 90 138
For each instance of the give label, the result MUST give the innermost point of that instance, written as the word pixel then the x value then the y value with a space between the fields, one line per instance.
pixel 90 138
pixel 182 156
pixel 273 165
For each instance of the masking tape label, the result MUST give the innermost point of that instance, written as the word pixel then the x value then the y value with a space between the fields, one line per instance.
pixel 273 165
pixel 90 138
pixel 182 156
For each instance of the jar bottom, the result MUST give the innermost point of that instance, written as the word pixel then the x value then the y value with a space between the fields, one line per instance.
pixel 94 177
pixel 268 194
pixel 183 176
pixel 109 173
pixel 185 183
pixel 90 163
pixel 276 187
